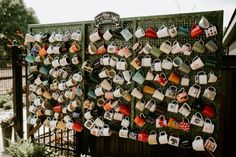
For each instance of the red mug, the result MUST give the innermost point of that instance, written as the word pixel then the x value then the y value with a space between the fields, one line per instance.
pixel 143 136
pixel 208 111
pixel 77 126
pixel 101 50
pixel 139 120
pixel 107 105
pixel 124 109
pixel 150 33
pixel 57 109
pixel 196 31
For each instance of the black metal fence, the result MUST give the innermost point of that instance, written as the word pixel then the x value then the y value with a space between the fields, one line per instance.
pixel 5 74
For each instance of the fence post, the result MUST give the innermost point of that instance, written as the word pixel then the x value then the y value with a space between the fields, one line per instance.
pixel 17 88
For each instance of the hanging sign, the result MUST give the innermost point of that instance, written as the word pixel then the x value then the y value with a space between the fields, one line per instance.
pixel 107 17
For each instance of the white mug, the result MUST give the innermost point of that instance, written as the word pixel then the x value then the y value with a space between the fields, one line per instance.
pixel 99 122
pixel 136 93
pixel 125 122
pixel 106 84
pixel 212 78
pixel 123 132
pixel 106 131
pixel 149 76
pixel 163 138
pixel 173 106
pixel 152 138
pixel 196 63
pixel 197 119
pixel 162 32
pixel 140 105
pixel 89 124
pixel 174 141
pixel 185 110
pixel 95 131
pixel 118 116
pixel 118 92
pixel 94 36
pixel 88 115
pixel 208 126
pixel 146 61
pixel 198 144
pixel 107 35
pixel 157 65
pixel 139 33
pixel 176 48
pixel 158 95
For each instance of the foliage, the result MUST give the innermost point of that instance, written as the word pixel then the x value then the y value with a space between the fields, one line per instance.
pixel 26 148
pixel 14 20
pixel 6 101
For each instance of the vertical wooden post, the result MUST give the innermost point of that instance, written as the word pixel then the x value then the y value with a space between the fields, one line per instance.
pixel 17 88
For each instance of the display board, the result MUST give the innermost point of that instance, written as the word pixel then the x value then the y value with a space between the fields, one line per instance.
pixel 151 79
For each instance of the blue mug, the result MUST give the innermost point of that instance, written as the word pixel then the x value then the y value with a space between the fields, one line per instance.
pixel 43 70
pixel 92 94
pixel 183 30
pixel 30 58
pixel 138 77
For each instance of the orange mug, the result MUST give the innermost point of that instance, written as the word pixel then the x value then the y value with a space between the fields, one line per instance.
pixel 42 52
pixel 139 120
pixel 57 109
pixel 149 90
pixel 74 47
pixel 196 31
pixel 77 126
pixel 174 78
pixel 172 123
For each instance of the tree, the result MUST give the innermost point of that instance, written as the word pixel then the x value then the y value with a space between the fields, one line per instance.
pixel 14 20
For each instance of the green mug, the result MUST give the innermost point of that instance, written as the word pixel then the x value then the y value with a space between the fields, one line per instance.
pixel 92 94
pixel 43 70
pixel 211 63
pixel 155 52
pixel 138 77
pixel 199 47
pixel 30 58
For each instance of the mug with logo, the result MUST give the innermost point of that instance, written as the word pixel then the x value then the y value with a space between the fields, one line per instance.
pixel 118 116
pixel 147 48
pixel 187 49
pixel 107 35
pixel 182 96
pixel 173 106
pixel 199 46
pixel 136 63
pixel 171 92
pixel 196 63
pixel 174 140
pixel 197 119
pixel 174 78
pixel 173 123
pixel 151 105
pixel 89 124
pixel 125 122
pixel 161 79
pixel 124 132
pixel 95 131
pixel 157 65
pixel 173 31
pixel 127 35
pixel 210 144
pixel 108 115
pixel 161 121
pixel 210 93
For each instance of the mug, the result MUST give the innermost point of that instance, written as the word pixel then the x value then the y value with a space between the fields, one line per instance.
pixel 184 125
pixel 158 94
pixel 116 105
pixel 184 68
pixel 161 121
pixel 30 58
pixel 113 61
pixel 106 131
pixel 107 35
pixel 194 91
pixel 127 35
pixel 143 136
pixel 185 81
pixel 127 96
pixel 177 61
pixel 166 47
pixel 95 131
pixel 152 138
pixel 204 23
pixel 95 36
pixel 210 144
pixel 118 92
pixel 77 35
pixel 208 111
pixel 174 78
pixel 121 64
pixel 173 123
pixel 139 33
pixel 109 95
pixel 48 60
pixel 32 97
pixel 151 105
pixel 99 91
pixel 123 132
pixel 176 48
pixel 92 49
pixel 156 65
pixel 171 92
pixel 174 141
pixel 108 115
pixel 163 138
pixel 106 84
pixel 208 126
pixel 138 77
pixel 88 115
pixel 162 32
pixel 155 52
pixel 99 122
pixel 65 60
pixel 150 33
pixel 185 110
pixel 196 31
pixel 147 48
pixel 103 73
pixel 137 93
pixel 187 49
pixel 87 66
pixel 161 79
pixel 201 77
pixel 146 61
pixel 149 76
pixel 197 119
pixel 136 63
pixel 196 63
pixel 173 31
pixel 148 89
pixel 125 122
pixel 167 63
pixel 118 78
pixel 105 60
pixel 182 96
pixel 29 38
pixel 173 106
pixel 55 62
pixel 183 31
pixel 58 36
pixel 107 105
pixel 211 31
pixel 118 116
pixel 140 120
pixel 89 124
pixel 56 49
pixel 127 76
pixel 199 47
pixel 140 105
pixel 38 37
pixel 211 46
pixel 198 144
pixel 210 93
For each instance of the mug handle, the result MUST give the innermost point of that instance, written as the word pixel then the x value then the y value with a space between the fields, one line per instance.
pixel 142 115
pixel 153 132
pixel 161 27
pixel 207 120
pixel 201 72
pixel 211 89
pixel 162 133
pixel 181 90
pixel 186 105
pixel 184 119
pixel 198 138
pixel 199 115
pixel 174 102
pixel 168 42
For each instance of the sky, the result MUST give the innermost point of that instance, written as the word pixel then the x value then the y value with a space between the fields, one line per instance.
pixel 57 11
